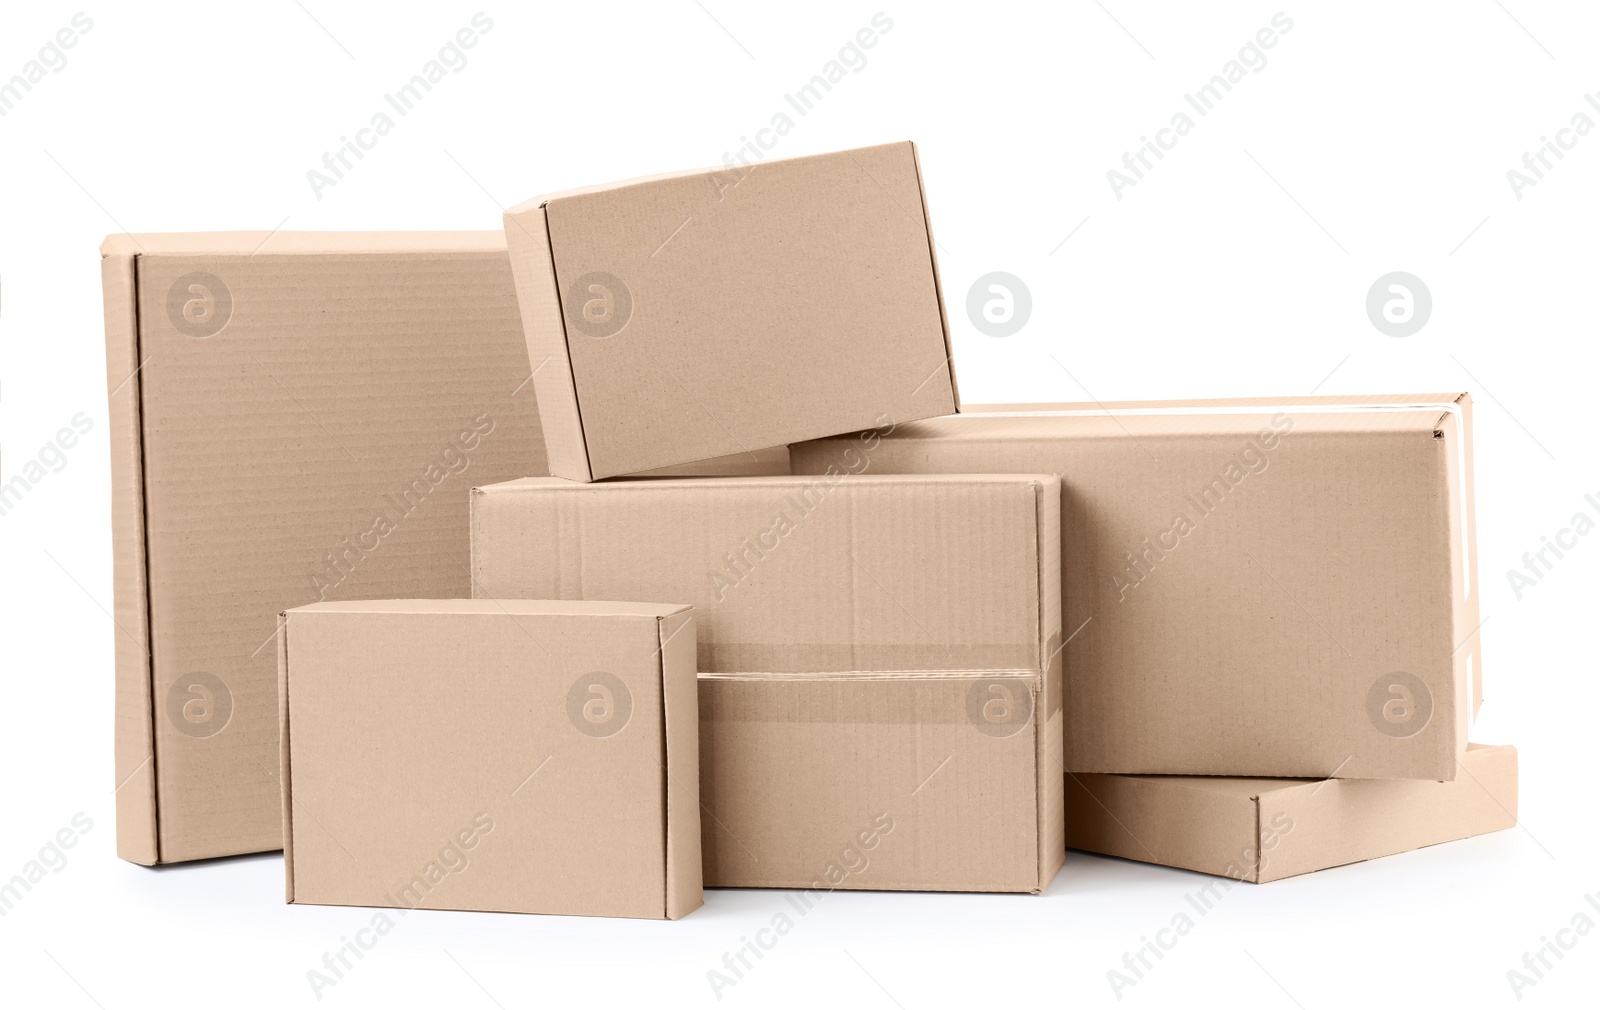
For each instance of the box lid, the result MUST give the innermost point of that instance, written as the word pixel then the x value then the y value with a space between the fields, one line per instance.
pixel 499 755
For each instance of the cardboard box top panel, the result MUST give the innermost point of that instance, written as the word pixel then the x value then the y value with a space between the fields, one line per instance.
pixel 709 313
pixel 299 243
pixel 794 573
pixel 491 607
pixel 1224 404
pixel 368 380
pixel 1260 830
pixel 1294 588
pixel 456 719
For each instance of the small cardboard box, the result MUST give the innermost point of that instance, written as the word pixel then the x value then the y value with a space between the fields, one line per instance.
pixel 877 656
pixel 495 755
pixel 1279 587
pixel 294 417
pixel 725 311
pixel 1258 830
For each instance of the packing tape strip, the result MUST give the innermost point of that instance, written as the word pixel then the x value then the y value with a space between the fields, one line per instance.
pixel 996 703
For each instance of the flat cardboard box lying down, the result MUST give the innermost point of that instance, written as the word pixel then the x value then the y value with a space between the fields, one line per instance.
pixel 1259 830
pixel 294 417
pixel 878 682
pixel 1278 587
pixel 724 311
pixel 495 755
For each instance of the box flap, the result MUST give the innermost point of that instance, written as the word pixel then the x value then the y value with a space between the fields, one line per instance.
pixel 680 761
pixel 884 780
pixel 435 751
pixel 789 573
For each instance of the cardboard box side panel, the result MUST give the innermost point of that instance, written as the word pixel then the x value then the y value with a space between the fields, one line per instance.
pixel 1351 820
pixel 681 743
pixel 938 290
pixel 137 811
pixel 1451 745
pixel 1049 719
pixel 544 327
pixel 285 780
pixel 1163 821
pixel 1473 652
pixel 873 783
pixel 1464 597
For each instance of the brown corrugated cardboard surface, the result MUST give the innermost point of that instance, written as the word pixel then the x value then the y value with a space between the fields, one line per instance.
pixel 265 417
pixel 1337 553
pixel 842 619
pixel 451 754
pixel 1260 830
pixel 708 313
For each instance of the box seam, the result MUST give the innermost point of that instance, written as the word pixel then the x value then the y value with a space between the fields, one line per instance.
pixel 147 642
pixel 666 773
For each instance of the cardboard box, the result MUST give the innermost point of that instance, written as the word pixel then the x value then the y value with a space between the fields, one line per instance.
pixel 497 755
pixel 1267 829
pixel 723 311
pixel 294 417
pixel 878 660
pixel 1278 587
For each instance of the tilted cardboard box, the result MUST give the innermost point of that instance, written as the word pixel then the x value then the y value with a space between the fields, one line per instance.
pixel 496 755
pixel 879 686
pixel 1252 587
pixel 294 417
pixel 728 310
pixel 1258 830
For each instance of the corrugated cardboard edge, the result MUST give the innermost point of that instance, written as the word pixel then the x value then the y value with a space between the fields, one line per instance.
pixel 938 285
pixel 680 736
pixel 544 327
pixel 1480 800
pixel 1050 744
pixel 137 805
pixel 283 759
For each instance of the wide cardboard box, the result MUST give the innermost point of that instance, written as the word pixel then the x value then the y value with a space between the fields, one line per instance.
pixel 1277 587
pixel 294 418
pixel 724 311
pixel 879 684
pixel 1258 830
pixel 497 755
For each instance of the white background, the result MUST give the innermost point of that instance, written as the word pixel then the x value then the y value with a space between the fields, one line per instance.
pixel 1374 139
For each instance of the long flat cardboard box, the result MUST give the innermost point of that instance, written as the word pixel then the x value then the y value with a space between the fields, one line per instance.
pixel 494 755
pixel 1275 587
pixel 294 417
pixel 1258 830
pixel 729 310
pixel 878 660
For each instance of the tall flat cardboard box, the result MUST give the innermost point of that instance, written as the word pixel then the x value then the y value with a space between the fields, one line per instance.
pixel 1276 587
pixel 294 418
pixel 494 755
pixel 879 687
pixel 1258 830
pixel 724 311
